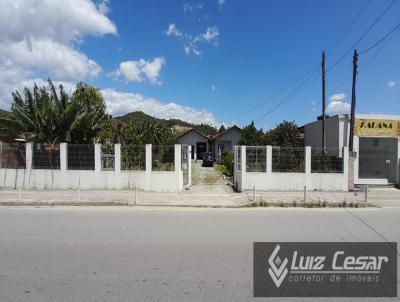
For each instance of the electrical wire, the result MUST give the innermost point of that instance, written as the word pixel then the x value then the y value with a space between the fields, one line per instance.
pixel 392 31
pixel 295 91
pixel 278 93
pixel 362 36
pixel 349 27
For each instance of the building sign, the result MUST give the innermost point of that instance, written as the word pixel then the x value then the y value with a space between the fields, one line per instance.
pixel 325 269
pixel 370 127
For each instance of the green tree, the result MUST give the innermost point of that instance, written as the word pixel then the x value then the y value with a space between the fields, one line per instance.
pixel 90 111
pixel 147 132
pixel 50 116
pixel 251 136
pixel 221 129
pixel 286 134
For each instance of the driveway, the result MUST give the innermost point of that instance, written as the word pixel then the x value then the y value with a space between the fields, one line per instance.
pixel 208 181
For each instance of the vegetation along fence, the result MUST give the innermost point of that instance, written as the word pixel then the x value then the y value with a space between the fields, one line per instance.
pixel 12 156
pixel 95 166
pixel 46 156
pixel 285 168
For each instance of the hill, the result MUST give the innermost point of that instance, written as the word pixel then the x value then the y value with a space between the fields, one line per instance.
pixel 3 112
pixel 175 124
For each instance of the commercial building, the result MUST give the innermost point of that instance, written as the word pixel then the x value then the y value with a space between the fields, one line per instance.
pixel 376 145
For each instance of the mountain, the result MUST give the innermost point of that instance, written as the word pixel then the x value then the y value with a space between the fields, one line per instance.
pixel 175 124
pixel 3 112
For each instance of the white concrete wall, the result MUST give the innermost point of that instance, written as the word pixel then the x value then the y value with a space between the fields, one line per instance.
pixel 148 180
pixel 274 181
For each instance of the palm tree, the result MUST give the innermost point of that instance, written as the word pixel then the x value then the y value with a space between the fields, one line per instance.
pixel 47 116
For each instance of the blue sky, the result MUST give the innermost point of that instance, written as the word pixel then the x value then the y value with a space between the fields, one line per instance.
pixel 214 60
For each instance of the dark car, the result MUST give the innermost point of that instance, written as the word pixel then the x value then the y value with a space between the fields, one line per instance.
pixel 208 159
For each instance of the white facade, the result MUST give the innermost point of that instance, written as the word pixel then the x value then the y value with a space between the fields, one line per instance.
pixel 337 136
pixel 195 139
pixel 226 141
pixel 218 144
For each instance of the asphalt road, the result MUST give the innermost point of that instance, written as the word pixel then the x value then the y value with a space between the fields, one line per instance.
pixel 125 254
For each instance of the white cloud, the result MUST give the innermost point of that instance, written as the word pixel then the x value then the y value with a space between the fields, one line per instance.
pixel 137 71
pixel 213 87
pixel 190 48
pixel 190 42
pixel 104 7
pixel 58 61
pixel 337 97
pixel 211 35
pixel 337 104
pixel 191 7
pixel 60 21
pixel 173 31
pixel 221 3
pixel 391 84
pixel 38 38
pixel 119 103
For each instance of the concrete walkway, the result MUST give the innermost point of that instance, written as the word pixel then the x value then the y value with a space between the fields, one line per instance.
pixel 388 197
pixel 208 181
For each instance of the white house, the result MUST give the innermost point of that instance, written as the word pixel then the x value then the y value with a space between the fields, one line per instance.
pixel 217 144
pixel 376 145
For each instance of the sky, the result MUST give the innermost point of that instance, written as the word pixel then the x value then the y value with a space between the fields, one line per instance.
pixel 212 61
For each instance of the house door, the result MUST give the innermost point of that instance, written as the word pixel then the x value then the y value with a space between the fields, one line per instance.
pixel 201 148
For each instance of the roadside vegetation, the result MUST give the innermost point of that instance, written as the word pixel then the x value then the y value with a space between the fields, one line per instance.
pixel 49 115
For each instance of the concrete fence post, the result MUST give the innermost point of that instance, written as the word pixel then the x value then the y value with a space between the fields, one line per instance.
pixel 178 155
pixel 307 160
pixel 97 157
pixel 189 165
pixel 63 156
pixel 149 166
pixel 269 159
pixel 243 166
pixel 346 169
pixel 148 158
pixel 178 166
pixel 117 158
pixel 28 156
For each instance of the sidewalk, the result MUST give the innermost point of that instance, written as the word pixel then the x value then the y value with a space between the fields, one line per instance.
pixel 387 197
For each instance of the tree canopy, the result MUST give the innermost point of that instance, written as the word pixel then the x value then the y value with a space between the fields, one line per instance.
pixel 285 134
pixel 50 116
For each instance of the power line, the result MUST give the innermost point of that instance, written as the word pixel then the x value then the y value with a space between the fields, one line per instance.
pixel 390 37
pixel 278 93
pixel 394 29
pixel 349 27
pixel 363 35
pixel 298 88
pixel 295 91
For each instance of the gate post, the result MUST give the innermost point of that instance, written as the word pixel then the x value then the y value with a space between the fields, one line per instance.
pixel 189 158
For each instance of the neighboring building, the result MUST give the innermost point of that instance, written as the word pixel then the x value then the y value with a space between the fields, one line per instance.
pixel 376 145
pixel 226 141
pixel 217 144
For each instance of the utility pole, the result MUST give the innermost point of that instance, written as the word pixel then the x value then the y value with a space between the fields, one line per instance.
pixel 323 102
pixel 353 100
